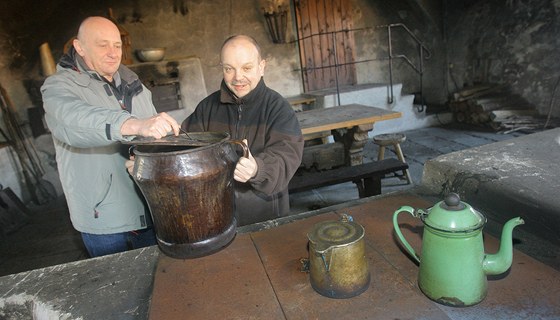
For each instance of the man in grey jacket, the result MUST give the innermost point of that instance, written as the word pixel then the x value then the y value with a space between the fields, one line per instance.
pixel 91 104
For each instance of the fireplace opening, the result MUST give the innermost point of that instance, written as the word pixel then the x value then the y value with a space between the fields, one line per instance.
pixel 166 96
pixel 163 83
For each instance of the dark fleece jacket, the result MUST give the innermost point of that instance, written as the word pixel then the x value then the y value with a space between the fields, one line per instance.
pixel 269 124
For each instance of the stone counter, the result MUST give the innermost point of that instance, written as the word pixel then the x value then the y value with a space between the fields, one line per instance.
pixel 120 286
pixel 117 286
pixel 516 177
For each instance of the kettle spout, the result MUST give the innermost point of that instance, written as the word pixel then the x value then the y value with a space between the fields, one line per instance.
pixel 501 261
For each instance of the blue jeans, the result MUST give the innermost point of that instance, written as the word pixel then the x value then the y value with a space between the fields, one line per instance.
pixel 104 244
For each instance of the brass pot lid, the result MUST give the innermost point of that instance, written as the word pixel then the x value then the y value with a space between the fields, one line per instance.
pixel 328 234
pixel 193 139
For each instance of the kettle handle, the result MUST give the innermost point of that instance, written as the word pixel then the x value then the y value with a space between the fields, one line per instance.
pixel 243 146
pixel 407 246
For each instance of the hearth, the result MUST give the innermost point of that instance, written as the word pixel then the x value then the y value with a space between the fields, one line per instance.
pixel 177 85
pixel 163 83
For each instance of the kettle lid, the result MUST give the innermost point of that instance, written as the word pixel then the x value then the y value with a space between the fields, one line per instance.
pixel 327 234
pixel 453 215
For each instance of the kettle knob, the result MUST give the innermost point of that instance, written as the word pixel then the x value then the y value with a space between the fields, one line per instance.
pixel 452 199
pixel 453 202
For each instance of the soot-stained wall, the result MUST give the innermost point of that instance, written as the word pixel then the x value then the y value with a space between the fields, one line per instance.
pixel 198 28
pixel 510 42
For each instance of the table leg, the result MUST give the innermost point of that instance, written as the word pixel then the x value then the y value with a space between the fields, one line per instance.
pixel 354 140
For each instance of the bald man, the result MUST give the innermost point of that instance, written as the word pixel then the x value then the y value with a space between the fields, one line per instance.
pixel 247 109
pixel 92 103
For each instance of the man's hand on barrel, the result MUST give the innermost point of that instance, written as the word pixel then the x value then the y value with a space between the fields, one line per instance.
pixel 246 168
pixel 129 164
pixel 157 126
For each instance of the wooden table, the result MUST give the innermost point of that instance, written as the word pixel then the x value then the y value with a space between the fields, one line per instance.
pixel 349 125
pixel 341 117
pixel 258 277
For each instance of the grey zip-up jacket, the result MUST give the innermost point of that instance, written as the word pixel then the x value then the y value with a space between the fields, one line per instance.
pixel 84 116
pixel 269 123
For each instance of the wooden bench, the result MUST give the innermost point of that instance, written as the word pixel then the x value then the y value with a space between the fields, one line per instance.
pixel 366 176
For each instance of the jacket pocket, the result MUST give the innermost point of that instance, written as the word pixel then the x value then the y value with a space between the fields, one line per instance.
pixel 102 194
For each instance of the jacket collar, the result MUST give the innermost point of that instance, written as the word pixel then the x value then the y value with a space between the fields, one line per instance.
pixel 72 60
pixel 228 97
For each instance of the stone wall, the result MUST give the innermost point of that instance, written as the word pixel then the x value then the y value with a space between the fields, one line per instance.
pixel 510 42
pixel 200 30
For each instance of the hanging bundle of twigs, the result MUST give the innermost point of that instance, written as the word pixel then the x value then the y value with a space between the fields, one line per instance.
pixel 40 190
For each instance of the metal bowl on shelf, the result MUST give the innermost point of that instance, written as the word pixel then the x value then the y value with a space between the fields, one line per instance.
pixel 150 54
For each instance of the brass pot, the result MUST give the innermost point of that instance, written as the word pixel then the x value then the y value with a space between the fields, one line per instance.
pixel 338 266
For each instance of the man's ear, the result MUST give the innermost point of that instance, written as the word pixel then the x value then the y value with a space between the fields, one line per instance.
pixel 78 47
pixel 262 64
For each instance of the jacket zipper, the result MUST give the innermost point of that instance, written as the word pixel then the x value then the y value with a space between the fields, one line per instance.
pixel 239 111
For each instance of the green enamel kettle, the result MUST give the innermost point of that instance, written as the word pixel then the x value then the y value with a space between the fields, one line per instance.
pixel 453 265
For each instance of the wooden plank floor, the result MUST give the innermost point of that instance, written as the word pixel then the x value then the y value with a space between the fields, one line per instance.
pixel 258 277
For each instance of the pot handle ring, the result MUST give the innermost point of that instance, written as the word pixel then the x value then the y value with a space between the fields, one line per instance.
pixel 243 146
pixel 407 246
pixel 326 257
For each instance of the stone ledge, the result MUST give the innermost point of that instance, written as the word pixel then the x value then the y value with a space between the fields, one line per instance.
pixel 516 177
pixel 108 287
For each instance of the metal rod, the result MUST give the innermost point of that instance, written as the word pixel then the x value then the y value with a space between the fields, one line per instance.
pixel 336 68
pixel 391 94
pixel 185 132
pixel 390 90
pixel 421 109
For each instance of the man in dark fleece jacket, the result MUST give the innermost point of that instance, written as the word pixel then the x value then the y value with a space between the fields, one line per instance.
pixel 247 109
